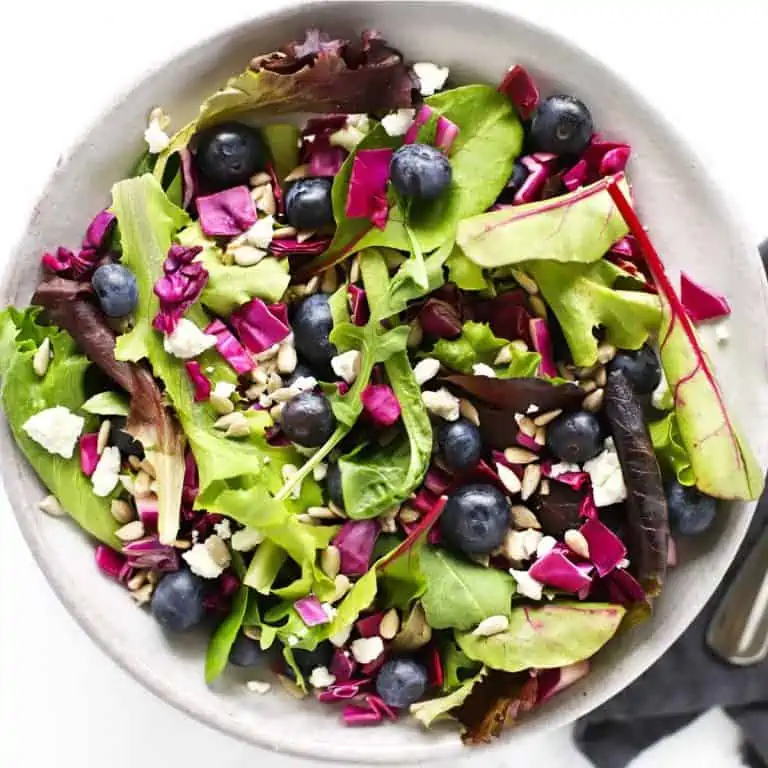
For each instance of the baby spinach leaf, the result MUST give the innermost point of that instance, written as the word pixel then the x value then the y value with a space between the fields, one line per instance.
pixel 546 636
pixel 461 594
pixel 24 394
pixel 578 227
pixel 401 581
pixel 457 666
pixel 107 403
pixel 404 287
pixel 722 462
pixel 426 712
pixel 478 344
pixel 672 456
pixel 583 298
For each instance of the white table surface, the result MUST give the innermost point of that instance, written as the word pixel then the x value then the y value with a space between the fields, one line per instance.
pixel 62 701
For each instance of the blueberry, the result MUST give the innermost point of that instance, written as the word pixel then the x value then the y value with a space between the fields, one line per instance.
pixel 401 682
pixel 562 125
pixel 312 324
pixel 177 603
pixel 575 437
pixel 690 510
pixel 308 420
pixel 333 483
pixel 116 289
pixel 641 367
pixel 246 652
pixel 519 174
pixel 420 171
pixel 459 443
pixel 308 203
pixel 475 519
pixel 230 153
pixel 306 661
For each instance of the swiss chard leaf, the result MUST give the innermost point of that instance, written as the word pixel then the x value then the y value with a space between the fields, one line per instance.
pixel 722 462
pixel 546 636
pixel 461 594
pixel 672 456
pixel 583 298
pixel 24 394
pixel 578 227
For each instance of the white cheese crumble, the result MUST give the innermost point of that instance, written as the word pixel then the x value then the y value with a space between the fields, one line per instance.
pixel 607 480
pixel 491 626
pixel 105 476
pixel 722 333
pixel 347 365
pixel 258 686
pixel 55 429
pixel 522 545
pixel 224 389
pixel 397 123
pixel 532 408
pixel 201 562
pixel 321 678
pixel 260 234
pixel 348 137
pixel 481 369
pixel 426 369
pixel 545 546
pixel 155 136
pixel 223 529
pixel 431 77
pixel 187 340
pixel 320 471
pixel 442 403
pixel 527 586
pixel 562 468
pixel 341 637
pixel 246 539
pixel 367 649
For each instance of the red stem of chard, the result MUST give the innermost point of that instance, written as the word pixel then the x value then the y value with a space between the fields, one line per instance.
pixel 422 529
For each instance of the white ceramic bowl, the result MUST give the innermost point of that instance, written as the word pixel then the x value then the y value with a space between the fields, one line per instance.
pixel 689 222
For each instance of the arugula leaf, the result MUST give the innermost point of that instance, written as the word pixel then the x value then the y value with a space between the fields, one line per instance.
pixel 672 456
pixel 107 403
pixel 490 138
pixel 478 344
pixel 722 462
pixel 426 712
pixel 24 394
pixel 229 287
pixel 546 636
pixel 404 287
pixel 222 640
pixel 461 594
pixel 283 142
pixel 578 227
pixel 583 297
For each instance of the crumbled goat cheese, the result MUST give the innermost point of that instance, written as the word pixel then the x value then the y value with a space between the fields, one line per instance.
pixel 260 234
pixel 258 686
pixel 105 476
pixel 224 389
pixel 397 123
pixel 187 340
pixel 426 369
pixel 442 403
pixel 562 468
pixel 481 369
pixel 367 649
pixel 157 139
pixel 527 586
pixel 353 132
pixel 522 545
pixel 431 77
pixel 201 562
pixel 491 626
pixel 320 471
pixel 223 529
pixel 722 333
pixel 347 365
pixel 321 678
pixel 545 546
pixel 55 429
pixel 607 480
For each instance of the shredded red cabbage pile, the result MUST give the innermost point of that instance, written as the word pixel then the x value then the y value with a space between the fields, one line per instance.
pixel 150 553
pixel 89 454
pixel 93 248
pixel 227 213
pixel 367 196
pixel 380 405
pixel 230 348
pixel 260 326
pixel 356 541
pixel 180 287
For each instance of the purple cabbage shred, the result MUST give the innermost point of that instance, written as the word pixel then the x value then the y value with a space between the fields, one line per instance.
pixel 355 541
pixel 227 213
pixel 180 287
pixel 258 326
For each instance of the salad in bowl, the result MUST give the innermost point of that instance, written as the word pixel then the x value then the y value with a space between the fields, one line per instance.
pixel 381 381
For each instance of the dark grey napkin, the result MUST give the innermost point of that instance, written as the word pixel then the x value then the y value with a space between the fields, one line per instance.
pixel 685 682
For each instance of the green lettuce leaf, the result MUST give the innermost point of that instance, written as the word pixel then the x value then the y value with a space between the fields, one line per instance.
pixel 465 273
pixel 24 394
pixel 457 666
pixel 461 594
pixel 401 581
pixel 426 712
pixel 478 344
pixel 584 297
pixel 490 138
pixel 107 403
pixel 283 142
pixel 672 456
pixel 404 286
pixel 360 597
pixel 578 227
pixel 546 636
pixel 229 287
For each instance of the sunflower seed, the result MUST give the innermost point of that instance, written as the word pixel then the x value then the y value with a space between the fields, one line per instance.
pixel 343 585
pixel 526 282
pixel 147 465
pixel 286 358
pixel 266 202
pixel 222 405
pixel 425 370
pixel 517 455
pixel 538 306
pixel 508 479
pixel 304 234
pixel 260 179
pixel 576 542
pixel 504 356
pixel 522 517
pixel 142 484
pixel 182 544
pixel 50 505
pixel 127 482
pixel 259 376
pixel 390 624
pixel 545 418
pixel 218 551
pixel 409 515
pixel 544 487
pixel 139 579
pixel 588 386
pixel 415 335
pixel 284 232
pixel 312 286
pixel 276 411
pixel 336 510
pixel 102 439
pixel 601 376
pixel 387 519
pixel 566 372
pixel 274 382
pixel 526 425
pixel 540 438
pixel 330 281
pixel 252 633
pixel 131 531
pixel 121 511
pixel 354 270
pixel 42 358
pixel 493 625
pixel 531 479
pixel 153 576
pixel 483 560
pixel 240 428
pixel 330 561
pixel 248 255
pixel 321 513
pixel 299 172
pixel 144 594
pixel 469 412
pixel 134 462
pixel 594 401
pixel 606 353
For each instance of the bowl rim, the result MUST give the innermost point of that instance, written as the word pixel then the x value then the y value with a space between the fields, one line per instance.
pixel 153 681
